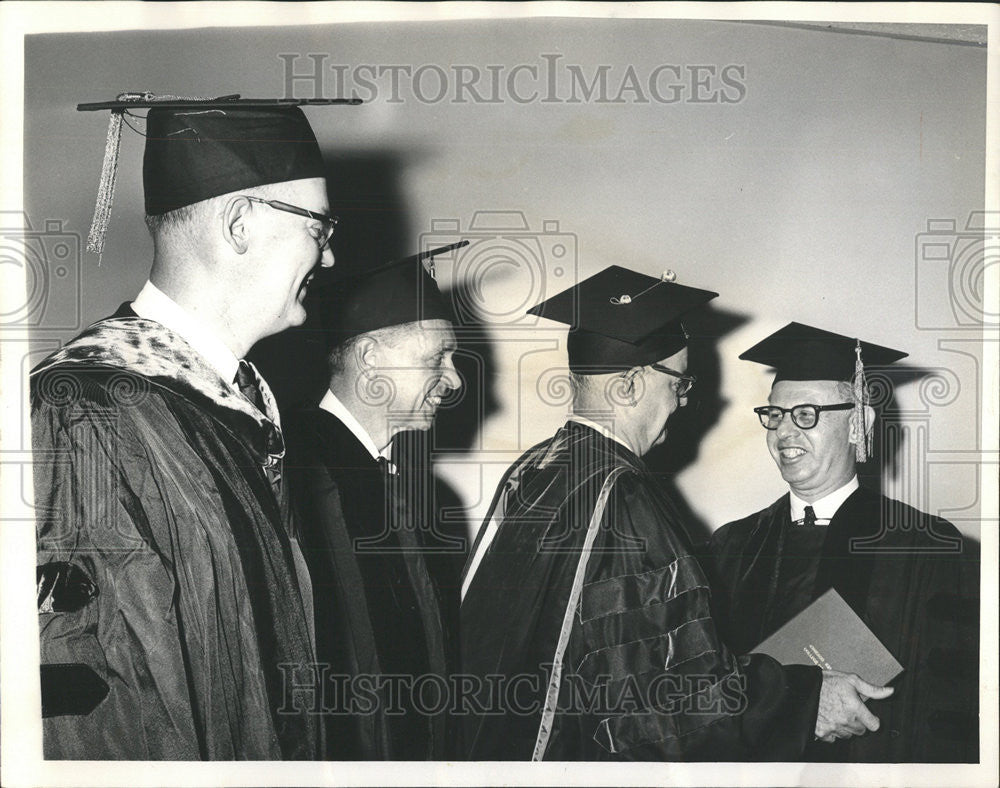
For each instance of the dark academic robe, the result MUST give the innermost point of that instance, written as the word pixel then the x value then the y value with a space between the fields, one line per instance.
pixel 915 584
pixel 378 620
pixel 170 594
pixel 643 673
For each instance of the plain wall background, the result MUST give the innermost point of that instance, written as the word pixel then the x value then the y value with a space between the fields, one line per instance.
pixel 808 199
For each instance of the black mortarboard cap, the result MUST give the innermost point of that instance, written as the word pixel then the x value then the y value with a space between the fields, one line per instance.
pixel 194 154
pixel 197 149
pixel 621 319
pixel 393 294
pixel 801 352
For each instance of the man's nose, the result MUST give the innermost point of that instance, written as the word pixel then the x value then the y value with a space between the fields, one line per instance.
pixel 326 258
pixel 451 378
pixel 786 427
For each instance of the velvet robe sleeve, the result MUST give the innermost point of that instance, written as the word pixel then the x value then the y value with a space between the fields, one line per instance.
pixel 645 640
pixel 127 635
pixel 167 637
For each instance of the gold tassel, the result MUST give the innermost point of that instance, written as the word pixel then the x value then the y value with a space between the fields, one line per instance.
pixel 109 169
pixel 109 174
pixel 863 436
pixel 106 189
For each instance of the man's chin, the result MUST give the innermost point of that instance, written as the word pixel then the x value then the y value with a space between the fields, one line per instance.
pixel 793 476
pixel 426 421
pixel 296 315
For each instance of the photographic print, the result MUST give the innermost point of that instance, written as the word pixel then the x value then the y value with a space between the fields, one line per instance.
pixel 499 393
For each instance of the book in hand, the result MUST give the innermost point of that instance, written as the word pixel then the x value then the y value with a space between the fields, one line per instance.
pixel 830 634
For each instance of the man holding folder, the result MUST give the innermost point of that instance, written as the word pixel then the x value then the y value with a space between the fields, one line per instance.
pixel 908 575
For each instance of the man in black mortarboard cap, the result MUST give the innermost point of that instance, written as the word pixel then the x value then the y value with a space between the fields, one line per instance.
pixel 907 574
pixel 164 499
pixel 382 622
pixel 582 593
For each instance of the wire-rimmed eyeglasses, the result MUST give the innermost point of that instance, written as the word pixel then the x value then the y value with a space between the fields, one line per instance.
pixel 327 222
pixel 805 417
pixel 684 382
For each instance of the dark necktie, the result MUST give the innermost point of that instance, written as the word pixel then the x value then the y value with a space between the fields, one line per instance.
pixel 246 379
pixel 249 388
pixel 810 517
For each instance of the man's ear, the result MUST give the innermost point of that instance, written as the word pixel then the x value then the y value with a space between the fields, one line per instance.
pixel 366 353
pixel 235 224
pixel 631 385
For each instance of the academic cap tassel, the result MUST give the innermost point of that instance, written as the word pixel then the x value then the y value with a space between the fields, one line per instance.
pixel 109 174
pixel 863 436
pixel 109 169
pixel 106 189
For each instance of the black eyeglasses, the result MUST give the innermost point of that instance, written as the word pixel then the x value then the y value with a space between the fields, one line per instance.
pixel 805 417
pixel 327 222
pixel 684 382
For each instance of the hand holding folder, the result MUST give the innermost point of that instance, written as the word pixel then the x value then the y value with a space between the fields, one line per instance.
pixel 830 634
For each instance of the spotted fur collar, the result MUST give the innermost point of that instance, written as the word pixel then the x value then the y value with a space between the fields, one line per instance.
pixel 148 349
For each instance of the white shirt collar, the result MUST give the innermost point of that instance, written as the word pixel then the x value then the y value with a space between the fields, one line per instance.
pixel 332 404
pixel 827 506
pixel 601 428
pixel 153 304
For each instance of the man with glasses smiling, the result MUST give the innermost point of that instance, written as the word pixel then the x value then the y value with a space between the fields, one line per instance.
pixel 908 575
pixel 587 632
pixel 174 607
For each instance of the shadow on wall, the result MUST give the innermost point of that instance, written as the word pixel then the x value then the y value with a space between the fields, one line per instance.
pixel 365 193
pixel 689 425
pixel 457 430
pixel 461 418
pixel 893 424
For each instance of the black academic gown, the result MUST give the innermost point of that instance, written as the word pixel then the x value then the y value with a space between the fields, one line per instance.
pixel 172 602
pixel 914 582
pixel 644 675
pixel 378 617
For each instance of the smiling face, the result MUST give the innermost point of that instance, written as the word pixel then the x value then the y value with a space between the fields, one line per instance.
pixel 422 371
pixel 819 460
pixel 287 252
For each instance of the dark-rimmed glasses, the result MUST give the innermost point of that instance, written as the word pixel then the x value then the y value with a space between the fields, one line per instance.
pixel 684 382
pixel 805 417
pixel 327 222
